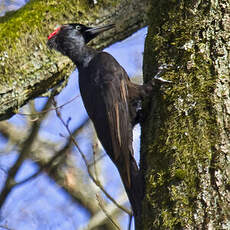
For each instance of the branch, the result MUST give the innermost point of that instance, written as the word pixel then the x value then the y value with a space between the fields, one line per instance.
pixel 80 192
pixel 69 177
pixel 100 216
pixel 51 109
pixel 47 166
pixel 26 147
pixel 106 213
pixel 40 153
pixel 32 70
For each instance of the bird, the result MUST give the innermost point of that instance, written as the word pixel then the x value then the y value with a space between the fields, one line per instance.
pixel 110 99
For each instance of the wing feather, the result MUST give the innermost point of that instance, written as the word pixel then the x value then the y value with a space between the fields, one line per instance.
pixel 105 95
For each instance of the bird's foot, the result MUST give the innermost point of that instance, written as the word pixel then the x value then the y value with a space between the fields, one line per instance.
pixel 162 69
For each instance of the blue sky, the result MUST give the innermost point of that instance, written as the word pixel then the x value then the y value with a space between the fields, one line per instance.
pixel 23 210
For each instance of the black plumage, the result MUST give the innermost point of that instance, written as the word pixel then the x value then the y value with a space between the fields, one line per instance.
pixel 110 99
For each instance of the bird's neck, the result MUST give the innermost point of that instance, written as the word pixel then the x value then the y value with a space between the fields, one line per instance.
pixel 81 56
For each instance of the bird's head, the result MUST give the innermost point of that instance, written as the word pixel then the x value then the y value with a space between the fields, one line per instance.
pixel 73 34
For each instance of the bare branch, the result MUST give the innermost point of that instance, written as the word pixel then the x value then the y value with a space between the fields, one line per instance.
pixel 106 213
pixel 80 192
pixel 47 166
pixel 95 151
pixel 40 154
pixel 26 147
pixel 51 109
pixel 100 216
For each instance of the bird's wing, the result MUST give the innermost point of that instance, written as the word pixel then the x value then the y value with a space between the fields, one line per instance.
pixel 106 101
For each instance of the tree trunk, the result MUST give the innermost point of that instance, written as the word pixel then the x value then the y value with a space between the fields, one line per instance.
pixel 185 153
pixel 27 68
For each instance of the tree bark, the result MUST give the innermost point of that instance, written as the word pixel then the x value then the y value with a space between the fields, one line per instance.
pixel 185 153
pixel 27 68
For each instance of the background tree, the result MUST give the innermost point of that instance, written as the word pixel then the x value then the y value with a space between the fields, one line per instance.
pixel 185 150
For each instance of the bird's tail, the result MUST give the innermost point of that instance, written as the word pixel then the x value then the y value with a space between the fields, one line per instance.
pixel 133 185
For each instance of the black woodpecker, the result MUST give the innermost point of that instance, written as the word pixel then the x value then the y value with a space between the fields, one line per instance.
pixel 110 99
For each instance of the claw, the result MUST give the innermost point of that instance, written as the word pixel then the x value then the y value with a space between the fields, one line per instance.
pixel 162 69
pixel 162 80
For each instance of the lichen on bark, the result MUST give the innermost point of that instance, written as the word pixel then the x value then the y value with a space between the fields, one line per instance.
pixel 28 68
pixel 185 152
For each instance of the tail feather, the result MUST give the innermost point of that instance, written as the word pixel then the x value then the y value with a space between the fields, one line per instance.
pixel 132 181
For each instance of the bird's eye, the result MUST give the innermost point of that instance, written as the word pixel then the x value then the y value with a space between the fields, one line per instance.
pixel 78 27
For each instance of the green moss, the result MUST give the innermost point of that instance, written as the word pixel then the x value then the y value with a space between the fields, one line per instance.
pixel 180 174
pixel 27 29
pixel 180 132
pixel 24 58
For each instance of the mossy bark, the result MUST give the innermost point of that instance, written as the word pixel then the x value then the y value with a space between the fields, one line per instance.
pixel 27 68
pixel 185 143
